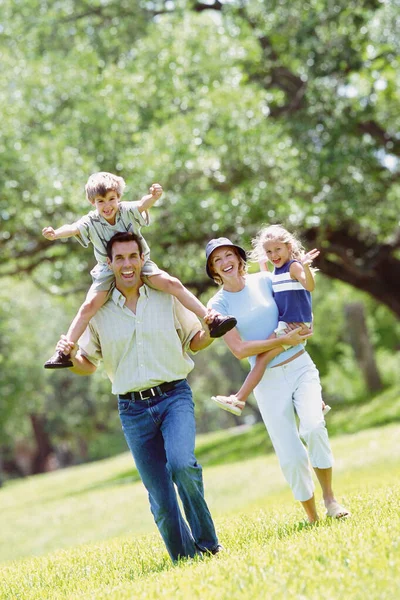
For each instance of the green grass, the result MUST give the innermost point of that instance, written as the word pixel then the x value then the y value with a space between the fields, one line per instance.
pixel 245 442
pixel 86 533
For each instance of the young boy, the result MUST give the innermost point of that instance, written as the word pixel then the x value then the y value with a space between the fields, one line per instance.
pixel 104 192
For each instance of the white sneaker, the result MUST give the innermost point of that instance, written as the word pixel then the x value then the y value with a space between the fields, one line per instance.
pixel 326 409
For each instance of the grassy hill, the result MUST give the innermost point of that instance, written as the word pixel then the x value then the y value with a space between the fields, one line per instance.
pixel 87 532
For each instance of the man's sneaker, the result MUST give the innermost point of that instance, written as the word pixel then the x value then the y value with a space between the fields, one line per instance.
pixel 59 360
pixel 214 551
pixel 220 325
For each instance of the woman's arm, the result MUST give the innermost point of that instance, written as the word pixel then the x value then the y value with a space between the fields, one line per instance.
pixel 243 349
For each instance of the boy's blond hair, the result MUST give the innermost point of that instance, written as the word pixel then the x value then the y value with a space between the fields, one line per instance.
pixel 275 233
pixel 100 183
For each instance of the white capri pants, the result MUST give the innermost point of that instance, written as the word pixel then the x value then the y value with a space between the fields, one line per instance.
pixel 283 390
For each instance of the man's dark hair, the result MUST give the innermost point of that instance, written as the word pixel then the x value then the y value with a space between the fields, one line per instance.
pixel 123 236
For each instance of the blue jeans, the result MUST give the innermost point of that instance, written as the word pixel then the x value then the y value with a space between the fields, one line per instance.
pixel 160 433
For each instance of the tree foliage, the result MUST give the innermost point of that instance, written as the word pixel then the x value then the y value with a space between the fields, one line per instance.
pixel 247 112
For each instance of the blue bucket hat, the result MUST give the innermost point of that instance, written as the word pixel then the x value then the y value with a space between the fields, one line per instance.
pixel 217 243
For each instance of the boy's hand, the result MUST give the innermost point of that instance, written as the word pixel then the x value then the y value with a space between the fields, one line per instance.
pixel 49 233
pixel 309 257
pixel 156 191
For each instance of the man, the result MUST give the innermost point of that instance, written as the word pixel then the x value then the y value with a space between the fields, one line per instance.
pixel 143 335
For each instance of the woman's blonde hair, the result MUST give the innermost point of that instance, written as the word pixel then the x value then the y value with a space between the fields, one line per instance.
pixel 275 233
pixel 242 266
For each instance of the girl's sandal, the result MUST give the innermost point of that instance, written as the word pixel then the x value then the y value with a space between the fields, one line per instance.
pixel 229 403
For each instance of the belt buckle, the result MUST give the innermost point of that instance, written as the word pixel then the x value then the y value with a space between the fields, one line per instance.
pixel 152 394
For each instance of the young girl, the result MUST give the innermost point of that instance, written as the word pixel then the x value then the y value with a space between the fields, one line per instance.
pixel 104 192
pixel 292 284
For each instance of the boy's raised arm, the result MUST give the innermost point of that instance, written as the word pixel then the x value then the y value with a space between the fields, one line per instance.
pixel 65 231
pixel 147 201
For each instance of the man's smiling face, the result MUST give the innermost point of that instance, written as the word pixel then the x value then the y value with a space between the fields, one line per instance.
pixel 126 264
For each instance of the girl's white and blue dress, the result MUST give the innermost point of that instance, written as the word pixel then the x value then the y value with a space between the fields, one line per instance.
pixel 293 301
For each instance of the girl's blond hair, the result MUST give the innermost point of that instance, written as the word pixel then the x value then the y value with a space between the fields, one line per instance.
pixel 275 233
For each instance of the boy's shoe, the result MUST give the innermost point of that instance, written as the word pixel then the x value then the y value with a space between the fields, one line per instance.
pixel 220 325
pixel 229 403
pixel 59 360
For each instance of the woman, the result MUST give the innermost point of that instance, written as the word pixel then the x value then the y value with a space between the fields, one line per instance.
pixel 290 383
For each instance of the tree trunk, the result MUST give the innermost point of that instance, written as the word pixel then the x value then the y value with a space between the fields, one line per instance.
pixel 44 448
pixel 360 342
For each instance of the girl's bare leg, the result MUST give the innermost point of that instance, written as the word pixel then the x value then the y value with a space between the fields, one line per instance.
pixel 236 402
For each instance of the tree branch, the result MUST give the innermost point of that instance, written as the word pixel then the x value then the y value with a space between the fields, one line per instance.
pixel 365 263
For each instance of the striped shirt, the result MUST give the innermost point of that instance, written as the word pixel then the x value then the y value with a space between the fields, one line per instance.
pixel 144 349
pixel 293 301
pixel 93 228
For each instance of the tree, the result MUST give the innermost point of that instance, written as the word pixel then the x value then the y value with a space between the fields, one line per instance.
pixel 247 112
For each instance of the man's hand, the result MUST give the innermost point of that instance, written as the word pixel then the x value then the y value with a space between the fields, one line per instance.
pixel 202 338
pixel 65 346
pixel 156 191
pixel 49 233
pixel 210 316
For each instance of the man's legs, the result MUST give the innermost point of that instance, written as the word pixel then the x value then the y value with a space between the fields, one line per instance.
pixel 141 428
pixel 179 430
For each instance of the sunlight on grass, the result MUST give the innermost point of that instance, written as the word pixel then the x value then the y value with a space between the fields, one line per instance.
pixel 269 551
pixel 268 554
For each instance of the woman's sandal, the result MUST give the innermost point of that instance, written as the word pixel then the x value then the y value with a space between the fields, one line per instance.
pixel 229 403
pixel 337 511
